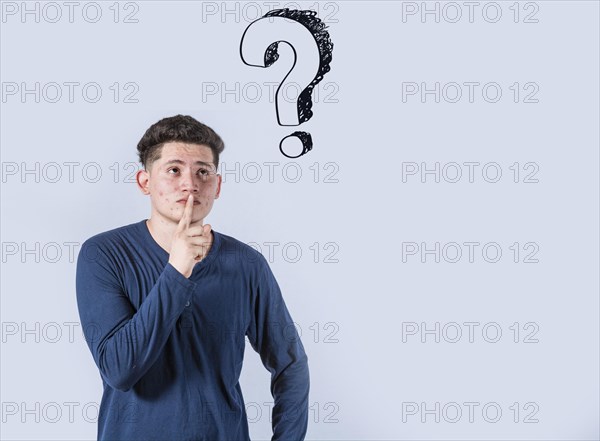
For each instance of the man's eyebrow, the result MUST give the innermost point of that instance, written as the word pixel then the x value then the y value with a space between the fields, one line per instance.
pixel 179 161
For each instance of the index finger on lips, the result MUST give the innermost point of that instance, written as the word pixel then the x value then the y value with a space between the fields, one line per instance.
pixel 186 217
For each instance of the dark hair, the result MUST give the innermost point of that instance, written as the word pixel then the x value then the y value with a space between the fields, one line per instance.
pixel 182 128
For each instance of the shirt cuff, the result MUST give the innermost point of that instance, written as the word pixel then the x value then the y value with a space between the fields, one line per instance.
pixel 171 274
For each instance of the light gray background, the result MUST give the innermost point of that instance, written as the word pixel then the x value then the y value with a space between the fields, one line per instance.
pixel 366 299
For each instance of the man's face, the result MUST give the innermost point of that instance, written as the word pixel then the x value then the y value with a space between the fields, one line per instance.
pixel 181 170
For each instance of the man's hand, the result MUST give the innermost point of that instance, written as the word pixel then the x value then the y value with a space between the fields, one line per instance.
pixel 190 242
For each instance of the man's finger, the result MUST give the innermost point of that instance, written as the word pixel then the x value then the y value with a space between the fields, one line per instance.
pixel 199 241
pixel 198 230
pixel 186 217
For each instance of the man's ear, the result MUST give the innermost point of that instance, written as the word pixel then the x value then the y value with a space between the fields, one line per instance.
pixel 142 178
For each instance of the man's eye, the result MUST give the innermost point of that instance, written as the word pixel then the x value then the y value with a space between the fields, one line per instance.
pixel 173 168
pixel 203 172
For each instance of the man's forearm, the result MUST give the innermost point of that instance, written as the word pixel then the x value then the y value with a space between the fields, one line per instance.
pixel 126 343
pixel 290 392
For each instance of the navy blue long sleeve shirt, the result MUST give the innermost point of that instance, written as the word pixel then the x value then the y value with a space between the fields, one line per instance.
pixel 170 349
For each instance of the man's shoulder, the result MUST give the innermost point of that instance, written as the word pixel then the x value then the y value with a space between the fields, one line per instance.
pixel 242 252
pixel 114 237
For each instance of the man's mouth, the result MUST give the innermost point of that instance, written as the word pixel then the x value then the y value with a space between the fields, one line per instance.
pixel 184 201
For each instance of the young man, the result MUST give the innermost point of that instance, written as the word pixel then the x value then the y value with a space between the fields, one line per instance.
pixel 166 304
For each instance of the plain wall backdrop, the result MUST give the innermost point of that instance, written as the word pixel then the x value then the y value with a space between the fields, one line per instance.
pixel 438 247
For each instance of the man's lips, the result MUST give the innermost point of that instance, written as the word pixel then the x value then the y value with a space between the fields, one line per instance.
pixel 184 201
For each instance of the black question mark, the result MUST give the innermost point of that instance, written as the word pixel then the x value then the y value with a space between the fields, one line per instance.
pixel 289 24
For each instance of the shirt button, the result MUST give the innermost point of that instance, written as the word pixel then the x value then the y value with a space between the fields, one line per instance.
pixel 187 303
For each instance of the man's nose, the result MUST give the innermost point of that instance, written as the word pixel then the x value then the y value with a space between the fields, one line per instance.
pixel 189 181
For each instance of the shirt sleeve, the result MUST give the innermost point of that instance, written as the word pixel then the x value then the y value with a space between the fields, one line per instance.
pixel 272 333
pixel 124 342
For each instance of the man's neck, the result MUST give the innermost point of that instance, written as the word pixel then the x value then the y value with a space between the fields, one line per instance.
pixel 162 231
